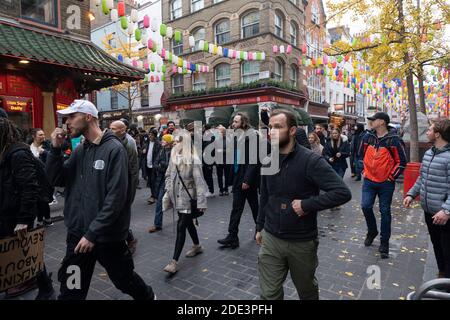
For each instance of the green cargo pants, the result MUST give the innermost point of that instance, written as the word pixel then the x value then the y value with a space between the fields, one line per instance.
pixel 276 257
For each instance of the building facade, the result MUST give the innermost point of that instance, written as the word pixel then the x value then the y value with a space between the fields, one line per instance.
pixel 47 60
pixel 239 25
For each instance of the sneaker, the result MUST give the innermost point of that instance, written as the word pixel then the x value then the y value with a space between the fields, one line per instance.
pixel 151 200
pixel 172 267
pixel 209 194
pixel 195 250
pixel 384 250
pixel 154 229
pixel 48 222
pixel 369 239
pixel 229 241
pixel 132 245
pixel 54 202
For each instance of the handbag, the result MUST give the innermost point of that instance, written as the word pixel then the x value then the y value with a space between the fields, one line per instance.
pixel 195 212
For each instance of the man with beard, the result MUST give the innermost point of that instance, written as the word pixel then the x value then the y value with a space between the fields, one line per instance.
pixel 287 220
pixel 96 212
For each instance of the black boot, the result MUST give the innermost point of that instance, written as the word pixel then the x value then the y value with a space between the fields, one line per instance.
pixel 229 241
pixel 46 291
pixel 369 238
pixel 384 250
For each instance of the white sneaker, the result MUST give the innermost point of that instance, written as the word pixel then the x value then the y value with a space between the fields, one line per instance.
pixel 209 194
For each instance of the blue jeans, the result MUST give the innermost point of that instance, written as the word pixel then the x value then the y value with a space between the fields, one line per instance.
pixel 158 210
pixel 384 191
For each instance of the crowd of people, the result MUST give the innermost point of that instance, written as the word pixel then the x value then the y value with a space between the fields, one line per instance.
pixel 101 173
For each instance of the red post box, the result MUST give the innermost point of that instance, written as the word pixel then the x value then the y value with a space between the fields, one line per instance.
pixel 410 174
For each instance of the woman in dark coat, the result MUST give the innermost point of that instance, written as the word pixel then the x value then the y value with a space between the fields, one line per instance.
pixel 336 152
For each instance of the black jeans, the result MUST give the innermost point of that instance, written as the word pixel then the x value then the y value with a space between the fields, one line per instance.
pixel 208 175
pixel 43 211
pixel 239 197
pixel 440 237
pixel 114 257
pixel 151 182
pixel 222 172
pixel 185 221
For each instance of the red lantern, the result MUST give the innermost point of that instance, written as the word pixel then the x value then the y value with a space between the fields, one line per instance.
pixel 121 8
pixel 334 64
pixel 347 57
pixel 152 79
pixel 304 48
pixel 313 61
pixel 340 73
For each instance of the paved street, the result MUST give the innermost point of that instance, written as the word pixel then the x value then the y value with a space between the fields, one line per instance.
pixel 232 274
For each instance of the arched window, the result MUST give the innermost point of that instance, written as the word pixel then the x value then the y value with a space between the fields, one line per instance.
pixel 279 24
pixel 223 75
pixel 177 48
pixel 279 67
pixel 176 9
pixel 293 76
pixel 222 32
pixel 250 24
pixel 198 35
pixel 293 33
pixel 178 83
pixel 196 5
pixel 250 71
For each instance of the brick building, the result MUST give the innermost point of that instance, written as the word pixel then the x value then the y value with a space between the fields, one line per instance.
pixel 240 25
pixel 47 60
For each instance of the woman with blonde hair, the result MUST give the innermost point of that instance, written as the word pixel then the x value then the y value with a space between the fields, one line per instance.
pixel 316 146
pixel 184 182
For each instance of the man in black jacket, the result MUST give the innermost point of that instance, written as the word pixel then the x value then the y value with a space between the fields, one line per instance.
pixel 287 220
pixel 97 210
pixel 150 151
pixel 245 178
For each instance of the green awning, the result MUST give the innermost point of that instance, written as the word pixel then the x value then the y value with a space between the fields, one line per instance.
pixel 21 43
pixel 189 116
pixel 221 116
pixel 303 118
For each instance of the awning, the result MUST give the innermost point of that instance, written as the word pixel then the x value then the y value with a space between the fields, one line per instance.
pixel 221 116
pixel 303 118
pixel 21 43
pixel 189 116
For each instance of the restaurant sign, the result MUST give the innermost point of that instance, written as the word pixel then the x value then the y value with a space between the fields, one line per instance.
pixel 17 104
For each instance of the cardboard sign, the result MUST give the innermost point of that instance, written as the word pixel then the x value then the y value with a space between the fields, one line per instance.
pixel 21 260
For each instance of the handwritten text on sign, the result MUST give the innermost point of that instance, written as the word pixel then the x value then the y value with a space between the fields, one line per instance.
pixel 21 260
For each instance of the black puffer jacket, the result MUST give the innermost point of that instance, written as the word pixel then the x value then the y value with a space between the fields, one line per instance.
pixel 19 188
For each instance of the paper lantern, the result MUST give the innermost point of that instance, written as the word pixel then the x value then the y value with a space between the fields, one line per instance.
pixel 263 56
pixel 180 70
pixel 191 41
pixel 120 57
pixel 159 50
pixel 275 49
pixel 152 79
pixel 339 59
pixel 334 64
pixel 258 56
pixel 250 56
pixel 163 68
pixel 230 53
pixel 152 67
pixel 155 25
pixel 146 66
pixel 184 64
pixel 215 49
pixel 289 49
pixel 163 78
pixel 105 8
pixel 150 44
pixel 130 29
pixel 319 61
pixel 317 71
pixel 174 69
pixel 124 22
pixel 304 48
pixel 97 2
pixel 347 57
pixel 169 32
pixel 155 47
pixel 121 8
pixel 173 58
pixel 110 4
pixel 211 48
pixel 245 56
pixel 188 65
pixel 163 30
pixel 205 46
pixel 220 51
pixel 134 16
pixel 163 53
pixel 177 35
pixel 146 21
pixel 157 78
pixel 184 71
pixel 282 49
pixel 180 62
pixel 325 60
pixel 313 61
pixel 138 34
pixel 134 63
pixel 144 39
pixel 114 15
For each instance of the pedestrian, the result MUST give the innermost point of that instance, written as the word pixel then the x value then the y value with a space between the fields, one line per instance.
pixel 354 147
pixel 222 168
pixel 119 129
pixel 384 161
pixel 321 130
pixel 287 221
pixel 208 168
pixel 433 186
pixel 151 149
pixel 184 182
pixel 160 167
pixel 22 195
pixel 314 140
pixel 97 205
pixel 246 178
pixel 336 151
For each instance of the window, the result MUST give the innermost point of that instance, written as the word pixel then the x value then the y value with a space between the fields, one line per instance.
pixel 198 82
pixel 222 32
pixel 198 35
pixel 250 24
pixel 196 5
pixel 114 99
pixel 176 9
pixel 223 75
pixel 250 71
pixel 178 83
pixel 278 74
pixel 278 25
pixel 293 34
pixel 177 48
pixel 293 76
pixel 144 95
pixel 44 11
pixel 315 88
pixel 315 14
pixel 217 1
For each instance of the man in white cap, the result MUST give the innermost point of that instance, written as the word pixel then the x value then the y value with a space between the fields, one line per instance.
pixel 96 213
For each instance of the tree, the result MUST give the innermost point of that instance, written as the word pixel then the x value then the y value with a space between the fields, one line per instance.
pixel 397 49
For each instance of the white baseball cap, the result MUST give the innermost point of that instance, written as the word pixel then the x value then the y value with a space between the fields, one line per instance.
pixel 83 106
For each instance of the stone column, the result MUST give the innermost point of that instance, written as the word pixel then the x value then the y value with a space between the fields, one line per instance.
pixel 48 113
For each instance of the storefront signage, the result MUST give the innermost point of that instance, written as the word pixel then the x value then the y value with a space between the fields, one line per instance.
pixel 338 107
pixel 17 104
